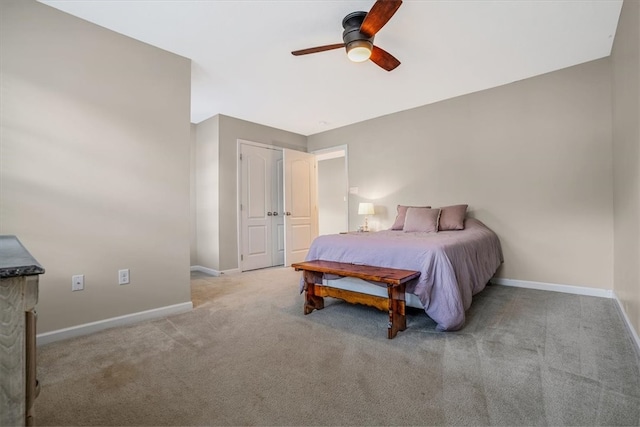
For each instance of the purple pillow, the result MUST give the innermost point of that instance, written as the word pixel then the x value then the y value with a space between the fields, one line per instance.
pixel 402 213
pixel 422 219
pixel 452 217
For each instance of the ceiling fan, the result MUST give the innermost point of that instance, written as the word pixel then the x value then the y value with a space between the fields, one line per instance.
pixel 360 29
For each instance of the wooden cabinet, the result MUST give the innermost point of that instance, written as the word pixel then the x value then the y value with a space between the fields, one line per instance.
pixel 19 273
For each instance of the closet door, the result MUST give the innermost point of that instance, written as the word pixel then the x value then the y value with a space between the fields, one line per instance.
pixel 278 206
pixel 300 204
pixel 255 207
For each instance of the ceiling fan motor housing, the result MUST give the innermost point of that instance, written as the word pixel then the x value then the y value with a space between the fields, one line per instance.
pixel 351 24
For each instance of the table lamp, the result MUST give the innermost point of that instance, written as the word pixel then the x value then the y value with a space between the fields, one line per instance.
pixel 365 209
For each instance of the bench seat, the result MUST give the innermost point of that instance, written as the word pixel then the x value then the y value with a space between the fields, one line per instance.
pixel 394 279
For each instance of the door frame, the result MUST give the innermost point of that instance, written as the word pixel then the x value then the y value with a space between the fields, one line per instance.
pixel 330 153
pixel 239 142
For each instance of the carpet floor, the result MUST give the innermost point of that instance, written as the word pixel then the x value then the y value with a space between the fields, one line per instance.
pixel 246 355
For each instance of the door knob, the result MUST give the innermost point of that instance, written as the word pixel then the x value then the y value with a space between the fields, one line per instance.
pixel 287 213
pixel 269 214
pixel 275 214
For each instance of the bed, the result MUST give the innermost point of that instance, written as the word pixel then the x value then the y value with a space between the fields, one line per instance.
pixel 454 265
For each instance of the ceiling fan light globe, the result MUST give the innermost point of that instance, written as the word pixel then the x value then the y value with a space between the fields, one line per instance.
pixel 359 50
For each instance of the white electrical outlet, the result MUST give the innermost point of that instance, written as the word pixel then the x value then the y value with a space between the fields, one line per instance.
pixel 77 282
pixel 123 276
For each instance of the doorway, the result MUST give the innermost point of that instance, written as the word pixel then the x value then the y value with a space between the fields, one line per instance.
pixel 333 190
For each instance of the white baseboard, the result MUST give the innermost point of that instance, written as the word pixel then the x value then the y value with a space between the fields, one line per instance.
pixel 205 270
pixel 89 328
pixel 212 272
pixel 632 331
pixel 567 289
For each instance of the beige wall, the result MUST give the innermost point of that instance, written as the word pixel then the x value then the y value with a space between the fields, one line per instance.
pixel 625 61
pixel 217 180
pixel 207 194
pixel 95 163
pixel 96 151
pixel 193 225
pixel 533 159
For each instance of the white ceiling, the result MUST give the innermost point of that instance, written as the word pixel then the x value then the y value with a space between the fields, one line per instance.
pixel 242 65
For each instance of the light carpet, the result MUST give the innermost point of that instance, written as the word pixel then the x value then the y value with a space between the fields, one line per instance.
pixel 246 355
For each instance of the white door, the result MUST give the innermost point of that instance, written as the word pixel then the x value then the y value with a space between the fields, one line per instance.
pixel 261 213
pixel 300 204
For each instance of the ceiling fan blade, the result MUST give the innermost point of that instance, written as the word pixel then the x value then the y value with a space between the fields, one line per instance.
pixel 378 16
pixel 317 49
pixel 384 59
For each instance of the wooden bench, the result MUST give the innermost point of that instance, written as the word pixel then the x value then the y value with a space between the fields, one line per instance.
pixel 394 278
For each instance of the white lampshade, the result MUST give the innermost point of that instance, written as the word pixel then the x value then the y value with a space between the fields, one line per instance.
pixel 359 50
pixel 365 209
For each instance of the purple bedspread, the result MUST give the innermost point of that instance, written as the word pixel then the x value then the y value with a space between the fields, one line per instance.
pixel 453 265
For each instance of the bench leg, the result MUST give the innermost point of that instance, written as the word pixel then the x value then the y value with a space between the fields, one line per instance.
pixel 311 300
pixel 397 318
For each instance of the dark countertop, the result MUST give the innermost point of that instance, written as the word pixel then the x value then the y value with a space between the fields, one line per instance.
pixel 15 260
